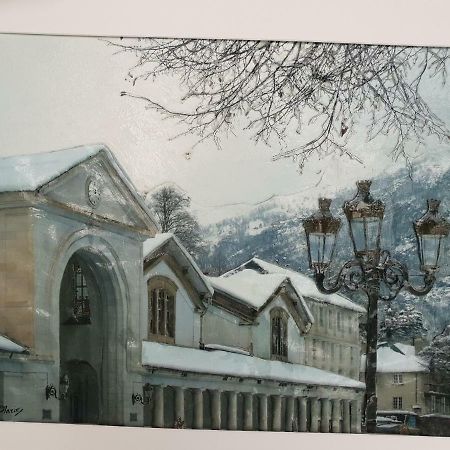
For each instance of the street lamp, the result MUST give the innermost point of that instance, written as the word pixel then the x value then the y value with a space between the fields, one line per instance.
pixel 372 269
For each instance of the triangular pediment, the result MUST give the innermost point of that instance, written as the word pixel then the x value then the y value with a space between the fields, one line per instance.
pixel 97 187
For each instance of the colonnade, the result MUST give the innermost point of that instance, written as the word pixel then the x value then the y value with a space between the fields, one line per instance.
pixel 260 411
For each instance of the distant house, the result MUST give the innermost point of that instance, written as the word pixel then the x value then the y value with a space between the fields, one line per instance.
pixel 404 383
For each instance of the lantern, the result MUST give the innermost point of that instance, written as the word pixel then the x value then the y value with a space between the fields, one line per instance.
pixel 365 216
pixel 430 230
pixel 321 229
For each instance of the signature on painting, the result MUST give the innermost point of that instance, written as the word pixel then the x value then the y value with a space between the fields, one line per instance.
pixel 5 409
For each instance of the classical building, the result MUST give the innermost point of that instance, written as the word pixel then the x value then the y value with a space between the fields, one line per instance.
pixel 103 320
pixel 404 383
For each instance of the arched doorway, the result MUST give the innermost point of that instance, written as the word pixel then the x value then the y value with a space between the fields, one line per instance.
pixel 90 341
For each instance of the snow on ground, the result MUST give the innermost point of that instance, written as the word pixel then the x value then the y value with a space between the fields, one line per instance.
pixel 232 364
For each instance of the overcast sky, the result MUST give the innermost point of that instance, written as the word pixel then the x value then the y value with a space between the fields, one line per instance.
pixel 58 92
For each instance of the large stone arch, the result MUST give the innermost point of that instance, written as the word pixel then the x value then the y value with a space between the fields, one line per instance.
pixel 106 267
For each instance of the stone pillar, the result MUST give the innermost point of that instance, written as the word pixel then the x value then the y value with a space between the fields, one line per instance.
pixel 346 419
pixel 232 410
pixel 314 426
pixel 356 416
pixel 276 413
pixel 291 423
pixel 179 404
pixel 198 408
pixel 248 411
pixel 336 416
pixel 216 409
pixel 263 413
pixel 158 411
pixel 302 412
pixel 325 417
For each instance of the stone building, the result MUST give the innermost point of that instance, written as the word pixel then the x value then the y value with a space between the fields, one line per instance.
pixel 102 320
pixel 404 383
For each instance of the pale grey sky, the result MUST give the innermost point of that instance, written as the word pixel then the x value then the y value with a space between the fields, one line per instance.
pixel 58 92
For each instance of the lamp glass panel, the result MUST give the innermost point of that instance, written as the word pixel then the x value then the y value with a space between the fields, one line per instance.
pixel 373 231
pixel 430 250
pixel 359 235
pixel 321 247
pixel 365 233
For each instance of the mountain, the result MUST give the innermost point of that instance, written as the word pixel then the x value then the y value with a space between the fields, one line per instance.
pixel 273 231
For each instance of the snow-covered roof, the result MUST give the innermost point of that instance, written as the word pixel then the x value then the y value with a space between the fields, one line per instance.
pixel 236 365
pixel 152 245
pixel 390 361
pixel 254 288
pixel 304 285
pixel 31 172
pixel 249 286
pixel 7 345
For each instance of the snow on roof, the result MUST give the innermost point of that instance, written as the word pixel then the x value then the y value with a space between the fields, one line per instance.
pixel 306 286
pixel 233 364
pixel 7 345
pixel 249 286
pixel 390 361
pixel 151 245
pixel 29 172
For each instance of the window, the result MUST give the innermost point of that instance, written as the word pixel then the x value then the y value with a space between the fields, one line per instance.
pixel 339 321
pixel 397 403
pixel 80 296
pixel 398 378
pixel 279 321
pixel 161 310
pixel 322 316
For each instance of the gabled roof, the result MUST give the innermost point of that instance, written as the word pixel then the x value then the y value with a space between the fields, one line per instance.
pixel 303 284
pixel 169 243
pixel 257 290
pixel 391 361
pixel 29 173
pixel 217 362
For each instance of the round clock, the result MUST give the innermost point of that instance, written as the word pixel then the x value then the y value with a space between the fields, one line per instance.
pixel 93 191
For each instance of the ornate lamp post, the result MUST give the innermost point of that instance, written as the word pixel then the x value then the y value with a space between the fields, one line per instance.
pixel 372 269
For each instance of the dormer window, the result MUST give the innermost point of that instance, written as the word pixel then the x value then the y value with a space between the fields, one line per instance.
pixel 161 310
pixel 279 332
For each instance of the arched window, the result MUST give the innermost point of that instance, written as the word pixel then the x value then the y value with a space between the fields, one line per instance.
pixel 161 309
pixel 279 324
pixel 80 296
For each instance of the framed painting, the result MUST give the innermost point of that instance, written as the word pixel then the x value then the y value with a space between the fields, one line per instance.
pixel 206 233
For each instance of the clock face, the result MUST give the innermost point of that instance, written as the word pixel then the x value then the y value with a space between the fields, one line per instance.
pixel 93 191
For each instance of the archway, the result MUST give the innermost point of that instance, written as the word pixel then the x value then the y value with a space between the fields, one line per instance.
pixel 91 349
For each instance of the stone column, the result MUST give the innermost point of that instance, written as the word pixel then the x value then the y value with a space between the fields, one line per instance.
pixel 216 409
pixel 263 413
pixel 346 419
pixel 158 411
pixel 336 416
pixel 276 413
pixel 198 408
pixel 248 411
pixel 179 404
pixel 314 426
pixel 232 410
pixel 325 417
pixel 291 424
pixel 356 416
pixel 302 412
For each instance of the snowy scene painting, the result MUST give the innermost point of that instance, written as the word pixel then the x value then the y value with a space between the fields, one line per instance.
pixel 225 235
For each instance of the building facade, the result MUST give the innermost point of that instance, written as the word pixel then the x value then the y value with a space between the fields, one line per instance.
pixel 103 320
